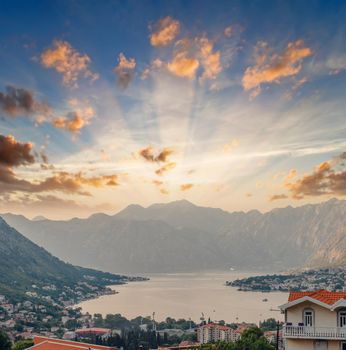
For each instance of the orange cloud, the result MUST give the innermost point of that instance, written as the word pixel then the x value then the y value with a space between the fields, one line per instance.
pixel 157 183
pixel 329 178
pixel 291 174
pixel 14 153
pixel 183 66
pixel 67 61
pixel 74 121
pixel 191 54
pixel 186 187
pixel 211 60
pixel 277 197
pixel 160 186
pixel 165 168
pixel 59 182
pixel 149 154
pixel 165 31
pixel 125 70
pixel 271 68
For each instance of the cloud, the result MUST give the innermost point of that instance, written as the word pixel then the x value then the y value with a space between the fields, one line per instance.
pixel 183 64
pixel 191 54
pixel 186 187
pixel 59 182
pixel 272 67
pixel 160 186
pixel 14 153
pixel 155 65
pixel 67 61
pixel 75 120
pixel 228 31
pixel 291 174
pixel 165 168
pixel 19 101
pixel 157 183
pixel 164 31
pixel 150 155
pixel 211 60
pixel 277 197
pixel 125 70
pixel 73 183
pixel 336 63
pixel 328 178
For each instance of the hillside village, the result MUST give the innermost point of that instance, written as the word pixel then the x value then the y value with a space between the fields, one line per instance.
pixel 332 279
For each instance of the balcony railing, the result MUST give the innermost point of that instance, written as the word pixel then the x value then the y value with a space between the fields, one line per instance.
pixel 337 333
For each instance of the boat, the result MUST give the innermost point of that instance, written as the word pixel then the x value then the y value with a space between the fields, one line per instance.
pixel 265 300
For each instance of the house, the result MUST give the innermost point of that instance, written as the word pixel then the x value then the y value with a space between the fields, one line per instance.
pixel 45 343
pixel 104 333
pixel 315 320
pixel 213 332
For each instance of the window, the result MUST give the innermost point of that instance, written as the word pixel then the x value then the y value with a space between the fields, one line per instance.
pixel 343 346
pixel 342 318
pixel 308 318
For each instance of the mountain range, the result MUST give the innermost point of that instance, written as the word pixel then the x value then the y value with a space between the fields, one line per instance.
pixel 181 236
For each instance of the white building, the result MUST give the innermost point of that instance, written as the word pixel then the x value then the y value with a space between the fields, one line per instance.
pixel 213 332
pixel 315 320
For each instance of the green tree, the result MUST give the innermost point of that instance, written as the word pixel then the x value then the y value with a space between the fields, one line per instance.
pixel 5 342
pixel 253 339
pixel 269 325
pixel 98 320
pixel 22 344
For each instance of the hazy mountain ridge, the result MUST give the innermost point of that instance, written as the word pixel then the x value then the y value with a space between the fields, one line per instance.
pixel 181 236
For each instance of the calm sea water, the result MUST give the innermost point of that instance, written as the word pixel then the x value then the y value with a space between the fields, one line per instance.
pixel 185 295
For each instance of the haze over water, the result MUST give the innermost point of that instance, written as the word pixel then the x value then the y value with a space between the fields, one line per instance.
pixel 185 295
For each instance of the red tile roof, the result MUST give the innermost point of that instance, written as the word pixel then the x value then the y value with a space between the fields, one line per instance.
pixel 322 295
pixel 44 343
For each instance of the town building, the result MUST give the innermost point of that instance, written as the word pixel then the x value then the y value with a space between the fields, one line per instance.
pixel 45 343
pixel 104 333
pixel 213 332
pixel 315 320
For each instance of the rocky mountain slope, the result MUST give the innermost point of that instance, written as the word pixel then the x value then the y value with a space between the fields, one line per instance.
pixel 181 236
pixel 24 264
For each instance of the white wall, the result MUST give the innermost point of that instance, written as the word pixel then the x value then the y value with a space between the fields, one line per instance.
pixel 307 344
pixel 323 316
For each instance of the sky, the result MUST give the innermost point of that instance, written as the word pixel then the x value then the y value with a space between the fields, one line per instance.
pixel 232 104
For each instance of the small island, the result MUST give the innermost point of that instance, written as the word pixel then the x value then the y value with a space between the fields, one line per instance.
pixel 332 279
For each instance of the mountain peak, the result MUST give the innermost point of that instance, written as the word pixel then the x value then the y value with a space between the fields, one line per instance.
pixel 182 203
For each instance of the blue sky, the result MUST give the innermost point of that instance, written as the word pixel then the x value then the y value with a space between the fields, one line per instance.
pixel 235 104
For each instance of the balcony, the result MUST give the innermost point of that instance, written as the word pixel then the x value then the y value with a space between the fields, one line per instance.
pixel 302 332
